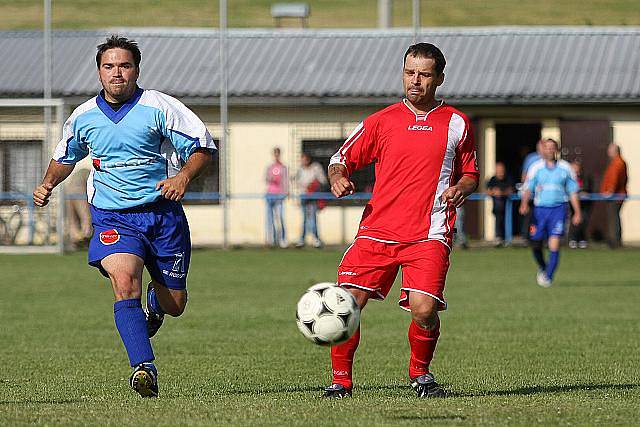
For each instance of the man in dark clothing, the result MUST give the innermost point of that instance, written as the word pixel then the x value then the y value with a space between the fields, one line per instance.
pixel 500 187
pixel 578 233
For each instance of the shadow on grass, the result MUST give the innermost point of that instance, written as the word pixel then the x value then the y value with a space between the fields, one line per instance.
pixel 309 389
pixel 525 391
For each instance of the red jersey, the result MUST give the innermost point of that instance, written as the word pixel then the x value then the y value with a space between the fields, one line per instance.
pixel 417 157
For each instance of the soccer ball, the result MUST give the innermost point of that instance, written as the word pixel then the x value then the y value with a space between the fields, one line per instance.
pixel 327 314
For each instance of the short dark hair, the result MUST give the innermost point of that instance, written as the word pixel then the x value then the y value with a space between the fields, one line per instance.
pixel 426 50
pixel 116 42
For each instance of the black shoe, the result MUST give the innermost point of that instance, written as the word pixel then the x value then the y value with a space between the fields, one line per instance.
pixel 426 386
pixel 337 391
pixel 154 320
pixel 144 380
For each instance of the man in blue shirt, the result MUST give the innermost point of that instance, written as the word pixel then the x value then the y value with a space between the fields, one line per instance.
pixel 145 148
pixel 552 182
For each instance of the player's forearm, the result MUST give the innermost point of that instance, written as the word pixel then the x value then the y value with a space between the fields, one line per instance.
pixel 467 185
pixel 575 202
pixel 197 163
pixel 526 195
pixel 337 171
pixel 56 173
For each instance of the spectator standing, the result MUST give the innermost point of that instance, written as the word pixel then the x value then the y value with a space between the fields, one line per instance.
pixel 277 188
pixel 500 187
pixel 578 233
pixel 460 236
pixel 310 178
pixel 614 183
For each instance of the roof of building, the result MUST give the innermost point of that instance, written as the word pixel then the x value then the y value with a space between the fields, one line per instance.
pixel 493 65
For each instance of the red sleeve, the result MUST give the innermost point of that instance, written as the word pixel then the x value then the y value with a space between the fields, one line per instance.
pixel 360 148
pixel 466 162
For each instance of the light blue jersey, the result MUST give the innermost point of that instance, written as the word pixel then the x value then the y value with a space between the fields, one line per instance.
pixel 147 140
pixel 551 186
pixel 528 161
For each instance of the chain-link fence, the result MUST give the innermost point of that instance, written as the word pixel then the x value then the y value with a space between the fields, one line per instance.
pixel 25 147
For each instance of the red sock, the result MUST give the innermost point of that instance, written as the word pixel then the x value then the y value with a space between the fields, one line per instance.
pixel 342 360
pixel 423 344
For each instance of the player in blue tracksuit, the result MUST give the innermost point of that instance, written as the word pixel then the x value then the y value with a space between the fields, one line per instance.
pixel 145 147
pixel 553 183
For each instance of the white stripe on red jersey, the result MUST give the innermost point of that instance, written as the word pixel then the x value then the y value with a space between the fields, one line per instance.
pixel 416 158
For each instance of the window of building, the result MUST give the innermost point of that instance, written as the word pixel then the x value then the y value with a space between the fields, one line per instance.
pixel 321 151
pixel 205 189
pixel 20 166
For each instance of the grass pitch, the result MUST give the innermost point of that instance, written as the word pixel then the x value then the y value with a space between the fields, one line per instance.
pixel 510 351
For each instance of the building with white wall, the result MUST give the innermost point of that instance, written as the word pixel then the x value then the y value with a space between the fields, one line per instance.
pixel 306 89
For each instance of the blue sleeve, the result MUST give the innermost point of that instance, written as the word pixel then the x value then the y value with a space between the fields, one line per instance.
pixel 571 185
pixel 531 182
pixel 69 150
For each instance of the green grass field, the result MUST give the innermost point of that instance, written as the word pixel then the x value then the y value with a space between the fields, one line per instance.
pixel 77 14
pixel 510 352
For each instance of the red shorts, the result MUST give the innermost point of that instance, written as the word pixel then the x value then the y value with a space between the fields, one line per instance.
pixel 373 266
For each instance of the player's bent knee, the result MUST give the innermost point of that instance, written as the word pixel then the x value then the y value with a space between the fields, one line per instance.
pixel 425 312
pixel 176 310
pixel 361 296
pixel 125 286
pixel 426 319
pixel 179 303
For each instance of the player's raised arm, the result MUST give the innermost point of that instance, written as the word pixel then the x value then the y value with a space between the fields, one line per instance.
pixel 339 181
pixel 56 173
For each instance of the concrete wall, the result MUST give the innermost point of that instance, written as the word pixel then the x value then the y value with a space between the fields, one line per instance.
pixel 253 132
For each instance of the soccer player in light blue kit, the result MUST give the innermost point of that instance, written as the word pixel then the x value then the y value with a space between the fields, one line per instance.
pixel 553 183
pixel 145 147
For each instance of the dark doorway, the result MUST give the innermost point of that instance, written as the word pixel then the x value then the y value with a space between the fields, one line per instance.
pixel 513 142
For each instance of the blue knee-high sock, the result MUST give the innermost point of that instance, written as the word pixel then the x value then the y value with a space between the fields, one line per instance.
pixel 153 302
pixel 554 258
pixel 539 257
pixel 132 327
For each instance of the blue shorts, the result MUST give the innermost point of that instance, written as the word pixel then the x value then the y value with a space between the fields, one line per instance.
pixel 547 222
pixel 156 232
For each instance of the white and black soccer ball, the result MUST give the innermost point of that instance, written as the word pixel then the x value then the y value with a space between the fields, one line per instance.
pixel 327 314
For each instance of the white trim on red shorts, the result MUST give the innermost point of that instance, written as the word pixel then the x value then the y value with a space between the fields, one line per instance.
pixel 345 252
pixel 444 303
pixel 364 288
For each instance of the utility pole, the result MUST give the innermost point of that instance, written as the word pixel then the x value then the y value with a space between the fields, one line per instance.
pixel 416 21
pixel 385 14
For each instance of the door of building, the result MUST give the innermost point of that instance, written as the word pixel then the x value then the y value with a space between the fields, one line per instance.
pixel 586 141
pixel 513 142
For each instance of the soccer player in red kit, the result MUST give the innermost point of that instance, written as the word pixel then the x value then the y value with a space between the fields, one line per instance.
pixel 425 166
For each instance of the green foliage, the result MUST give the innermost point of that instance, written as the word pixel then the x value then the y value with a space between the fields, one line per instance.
pixel 89 14
pixel 510 351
